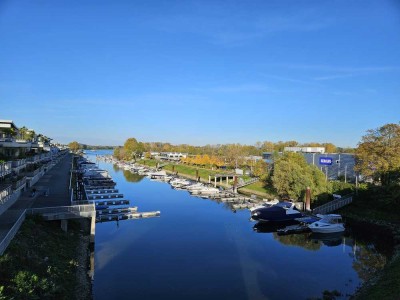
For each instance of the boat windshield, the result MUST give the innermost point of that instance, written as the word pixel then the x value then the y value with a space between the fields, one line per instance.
pixel 285 205
pixel 331 220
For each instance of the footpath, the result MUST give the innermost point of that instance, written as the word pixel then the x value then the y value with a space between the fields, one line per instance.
pixel 51 190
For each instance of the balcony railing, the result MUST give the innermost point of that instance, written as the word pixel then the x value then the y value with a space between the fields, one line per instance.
pixel 33 173
pixel 5 168
pixel 18 163
pixel 33 159
pixel 17 143
pixel 19 183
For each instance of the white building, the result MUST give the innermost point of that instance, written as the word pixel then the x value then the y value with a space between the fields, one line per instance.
pixel 320 150
pixel 172 156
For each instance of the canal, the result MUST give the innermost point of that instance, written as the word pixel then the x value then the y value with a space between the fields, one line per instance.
pixel 201 249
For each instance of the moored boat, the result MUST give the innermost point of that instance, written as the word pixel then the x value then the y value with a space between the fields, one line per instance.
pixel 280 212
pixel 331 223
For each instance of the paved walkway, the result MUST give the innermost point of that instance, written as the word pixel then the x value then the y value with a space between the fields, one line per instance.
pixel 55 182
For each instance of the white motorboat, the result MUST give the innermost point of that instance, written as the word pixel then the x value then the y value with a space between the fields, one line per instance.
pixel 179 182
pixel 331 223
pixel 195 186
pixel 205 191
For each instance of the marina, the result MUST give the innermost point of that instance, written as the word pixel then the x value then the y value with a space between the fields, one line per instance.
pixel 201 247
pixel 96 186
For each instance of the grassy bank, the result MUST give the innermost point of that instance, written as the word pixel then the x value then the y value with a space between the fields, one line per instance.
pixel 373 207
pixel 43 262
pixel 257 188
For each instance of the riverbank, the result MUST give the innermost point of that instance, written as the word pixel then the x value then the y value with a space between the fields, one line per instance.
pixel 44 262
pixel 385 285
pixel 190 173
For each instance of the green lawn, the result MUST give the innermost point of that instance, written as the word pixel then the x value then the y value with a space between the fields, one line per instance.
pixel 259 189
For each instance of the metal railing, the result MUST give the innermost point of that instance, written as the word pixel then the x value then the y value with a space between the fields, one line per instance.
pixel 64 212
pixel 19 183
pixel 18 163
pixel 248 182
pixel 333 205
pixel 10 235
pixel 33 173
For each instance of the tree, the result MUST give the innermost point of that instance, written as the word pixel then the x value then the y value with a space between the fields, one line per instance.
pixel 330 148
pixel 234 154
pixel 378 154
pixel 292 175
pixel 74 146
pixel 133 149
pixel 260 168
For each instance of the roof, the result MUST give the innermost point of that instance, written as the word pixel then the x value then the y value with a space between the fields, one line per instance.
pixel 7 124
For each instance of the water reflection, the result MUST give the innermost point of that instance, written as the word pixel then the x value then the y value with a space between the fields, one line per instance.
pixel 263 227
pixel 301 240
pixel 367 260
pixel 328 239
pixel 132 177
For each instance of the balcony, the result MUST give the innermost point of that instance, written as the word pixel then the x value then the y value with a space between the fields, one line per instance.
pixel 15 143
pixel 18 164
pixel 33 159
pixel 20 183
pixel 33 173
pixel 5 168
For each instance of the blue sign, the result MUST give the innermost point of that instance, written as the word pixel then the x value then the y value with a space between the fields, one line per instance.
pixel 326 161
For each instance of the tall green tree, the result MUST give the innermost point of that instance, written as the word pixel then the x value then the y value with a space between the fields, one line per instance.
pixel 378 154
pixel 292 175
pixel 133 149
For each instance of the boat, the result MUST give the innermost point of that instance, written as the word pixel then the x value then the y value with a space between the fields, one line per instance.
pixel 195 186
pixel 179 182
pixel 280 212
pixel 331 223
pixel 265 204
pixel 205 191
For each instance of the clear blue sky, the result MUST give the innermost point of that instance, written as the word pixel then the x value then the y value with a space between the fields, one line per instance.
pixel 200 72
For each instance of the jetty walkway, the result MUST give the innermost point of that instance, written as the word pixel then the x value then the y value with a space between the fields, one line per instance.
pixel 52 190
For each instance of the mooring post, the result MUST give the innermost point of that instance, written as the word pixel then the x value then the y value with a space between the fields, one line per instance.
pixel 209 178
pixel 308 199
pixel 215 181
pixel 235 184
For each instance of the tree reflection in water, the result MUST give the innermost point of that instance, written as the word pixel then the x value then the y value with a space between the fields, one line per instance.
pixel 302 240
pixel 367 261
pixel 131 177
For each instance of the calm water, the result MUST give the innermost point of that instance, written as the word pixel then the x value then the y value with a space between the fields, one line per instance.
pixel 200 249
